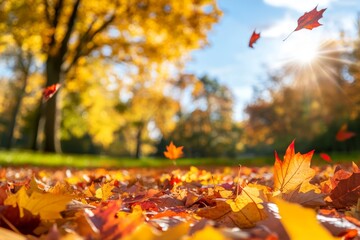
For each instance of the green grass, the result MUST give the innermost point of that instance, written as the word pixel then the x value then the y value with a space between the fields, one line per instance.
pixel 22 158
pixel 28 158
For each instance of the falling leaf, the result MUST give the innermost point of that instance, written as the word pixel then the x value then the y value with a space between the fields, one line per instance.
pixel 295 169
pixel 50 91
pixel 343 134
pixel 173 152
pixel 254 37
pixel 301 223
pixel 326 157
pixel 309 20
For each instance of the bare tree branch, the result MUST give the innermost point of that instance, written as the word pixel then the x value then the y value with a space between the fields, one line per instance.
pixel 70 25
pixel 88 36
pixel 47 14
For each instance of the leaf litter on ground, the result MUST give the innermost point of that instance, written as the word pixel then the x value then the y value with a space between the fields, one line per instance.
pixel 222 202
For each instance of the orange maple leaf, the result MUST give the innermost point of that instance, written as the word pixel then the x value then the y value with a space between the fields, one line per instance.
pixel 254 37
pixel 50 91
pixel 343 134
pixel 293 171
pixel 173 152
pixel 309 20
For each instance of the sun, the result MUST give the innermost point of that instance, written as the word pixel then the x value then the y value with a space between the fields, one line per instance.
pixel 305 53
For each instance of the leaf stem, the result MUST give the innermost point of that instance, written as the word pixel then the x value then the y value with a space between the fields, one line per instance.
pixel 9 224
pixel 288 36
pixel 238 181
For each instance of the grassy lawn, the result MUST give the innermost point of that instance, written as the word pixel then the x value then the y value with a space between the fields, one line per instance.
pixel 23 158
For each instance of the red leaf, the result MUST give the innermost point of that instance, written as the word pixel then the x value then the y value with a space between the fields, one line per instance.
pixel 147 205
pixel 174 180
pixel 254 37
pixel 112 226
pixel 326 157
pixel 309 20
pixel 349 234
pixel 50 91
pixel 343 134
pixel 347 191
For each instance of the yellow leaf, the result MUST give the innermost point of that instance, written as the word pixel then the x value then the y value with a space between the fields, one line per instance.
pixel 223 192
pixel 47 205
pixel 301 223
pixel 208 232
pixel 105 191
pixel 20 198
pixel 176 232
pixel 143 232
pixel 222 213
pixel 248 195
pixel 61 188
pixel 10 235
pixel 36 186
pixel 146 232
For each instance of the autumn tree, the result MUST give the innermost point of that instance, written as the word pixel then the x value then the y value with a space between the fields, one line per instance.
pixel 354 71
pixel 303 101
pixel 119 31
pixel 208 129
pixel 21 50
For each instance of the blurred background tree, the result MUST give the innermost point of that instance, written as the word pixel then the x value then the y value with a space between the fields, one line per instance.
pixel 308 101
pixel 209 128
pixel 136 33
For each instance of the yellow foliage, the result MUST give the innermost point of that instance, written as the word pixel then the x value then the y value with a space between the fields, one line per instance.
pixel 47 205
pixel 207 233
pixel 151 37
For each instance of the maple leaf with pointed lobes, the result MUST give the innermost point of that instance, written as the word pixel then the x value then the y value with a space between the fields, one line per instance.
pixel 293 171
pixel 343 134
pixel 309 20
pixel 50 91
pixel 254 37
pixel 173 152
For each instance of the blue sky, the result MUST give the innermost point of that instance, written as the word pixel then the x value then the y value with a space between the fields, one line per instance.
pixel 233 63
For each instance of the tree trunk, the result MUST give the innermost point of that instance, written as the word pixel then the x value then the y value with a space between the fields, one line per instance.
pixel 38 127
pixel 52 118
pixel 16 111
pixel 139 141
